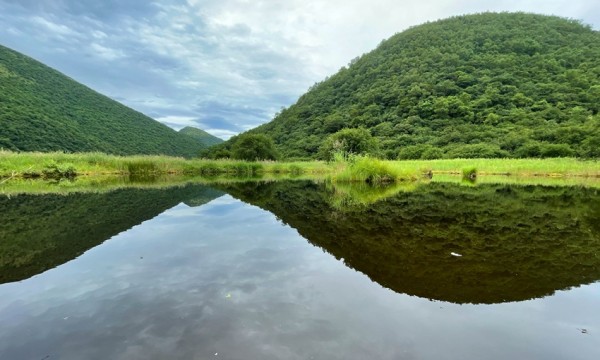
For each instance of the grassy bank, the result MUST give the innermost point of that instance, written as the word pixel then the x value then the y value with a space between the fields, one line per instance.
pixel 356 169
pixel 61 165
pixel 556 167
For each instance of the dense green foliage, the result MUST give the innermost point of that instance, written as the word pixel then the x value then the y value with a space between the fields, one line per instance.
pixel 349 141
pixel 485 85
pixel 516 242
pixel 204 138
pixel 44 110
pixel 41 232
pixel 253 147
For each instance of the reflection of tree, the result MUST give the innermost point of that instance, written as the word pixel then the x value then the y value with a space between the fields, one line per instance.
pixel 516 242
pixel 40 232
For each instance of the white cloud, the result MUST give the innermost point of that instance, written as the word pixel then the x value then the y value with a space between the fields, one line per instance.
pixel 105 52
pixel 178 122
pixel 220 133
pixel 51 28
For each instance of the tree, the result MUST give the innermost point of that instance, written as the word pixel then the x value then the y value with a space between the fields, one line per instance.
pixel 252 147
pixel 350 141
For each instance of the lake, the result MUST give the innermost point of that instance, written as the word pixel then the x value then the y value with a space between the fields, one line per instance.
pixel 302 270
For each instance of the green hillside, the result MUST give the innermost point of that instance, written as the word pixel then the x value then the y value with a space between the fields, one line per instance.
pixel 485 85
pixel 44 110
pixel 201 136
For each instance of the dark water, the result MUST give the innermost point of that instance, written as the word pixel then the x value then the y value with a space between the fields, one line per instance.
pixel 297 270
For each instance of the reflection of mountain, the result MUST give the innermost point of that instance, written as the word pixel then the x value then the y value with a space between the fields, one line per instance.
pixel 39 232
pixel 516 242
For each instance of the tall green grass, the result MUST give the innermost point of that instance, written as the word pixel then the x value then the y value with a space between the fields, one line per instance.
pixel 19 165
pixel 366 169
pixel 518 167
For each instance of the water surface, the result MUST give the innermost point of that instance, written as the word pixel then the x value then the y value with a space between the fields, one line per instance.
pixel 298 270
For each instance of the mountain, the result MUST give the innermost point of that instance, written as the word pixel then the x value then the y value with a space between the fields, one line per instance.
pixel 484 85
pixel 44 110
pixel 201 136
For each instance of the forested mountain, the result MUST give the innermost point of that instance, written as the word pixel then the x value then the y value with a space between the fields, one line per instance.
pixel 484 85
pixel 44 110
pixel 201 136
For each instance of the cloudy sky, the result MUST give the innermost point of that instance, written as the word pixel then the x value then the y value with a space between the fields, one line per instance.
pixel 223 65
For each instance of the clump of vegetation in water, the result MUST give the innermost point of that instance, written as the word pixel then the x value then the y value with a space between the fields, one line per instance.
pixel 370 170
pixel 469 174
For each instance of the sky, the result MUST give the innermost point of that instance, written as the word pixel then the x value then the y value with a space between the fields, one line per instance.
pixel 224 66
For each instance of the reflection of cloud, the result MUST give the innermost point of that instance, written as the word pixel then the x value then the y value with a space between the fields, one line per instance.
pixel 231 59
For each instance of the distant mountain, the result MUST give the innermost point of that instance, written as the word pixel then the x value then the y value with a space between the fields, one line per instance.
pixel 44 110
pixel 485 85
pixel 201 136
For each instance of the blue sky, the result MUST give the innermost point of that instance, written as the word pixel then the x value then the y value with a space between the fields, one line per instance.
pixel 223 65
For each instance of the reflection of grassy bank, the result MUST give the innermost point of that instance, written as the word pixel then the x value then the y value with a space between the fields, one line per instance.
pixel 580 181
pixel 351 195
pixel 106 183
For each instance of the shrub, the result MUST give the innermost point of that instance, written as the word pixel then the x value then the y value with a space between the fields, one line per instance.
pixel 253 147
pixel 351 141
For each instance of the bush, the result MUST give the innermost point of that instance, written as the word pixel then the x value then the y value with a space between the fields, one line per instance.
pixel 411 152
pixel 432 153
pixel 254 147
pixel 351 141
pixel 557 150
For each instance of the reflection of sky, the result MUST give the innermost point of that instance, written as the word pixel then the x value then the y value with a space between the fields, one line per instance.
pixel 229 279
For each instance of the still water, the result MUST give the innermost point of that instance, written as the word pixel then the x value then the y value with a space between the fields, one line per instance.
pixel 299 270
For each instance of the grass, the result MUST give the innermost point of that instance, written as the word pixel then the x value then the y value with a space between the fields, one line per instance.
pixel 42 165
pixel 372 171
pixel 56 166
pixel 555 167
